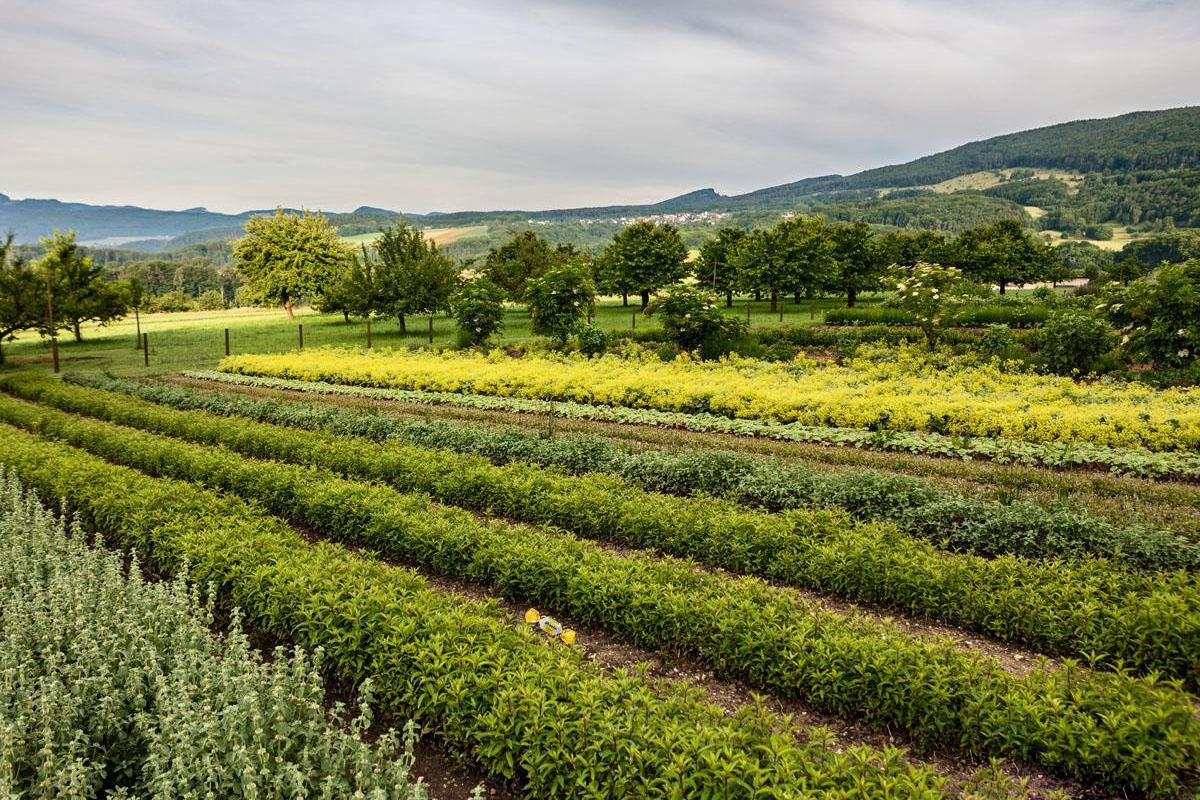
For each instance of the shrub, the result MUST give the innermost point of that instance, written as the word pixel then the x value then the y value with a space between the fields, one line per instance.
pixel 1074 342
pixel 692 320
pixel 478 308
pixel 592 340
pixel 559 299
pixel 1160 315
pixel 210 300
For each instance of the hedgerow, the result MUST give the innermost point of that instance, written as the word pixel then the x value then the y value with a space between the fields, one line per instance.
pixel 770 637
pixel 114 686
pixel 1119 461
pixel 526 709
pixel 1086 607
pixel 947 519
pixel 885 389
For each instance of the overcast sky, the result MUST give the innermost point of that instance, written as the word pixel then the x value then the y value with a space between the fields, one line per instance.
pixel 484 104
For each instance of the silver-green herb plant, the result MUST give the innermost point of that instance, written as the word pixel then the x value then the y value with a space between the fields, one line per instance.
pixel 112 685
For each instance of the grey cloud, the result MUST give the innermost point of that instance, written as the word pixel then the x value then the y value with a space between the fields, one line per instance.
pixel 544 103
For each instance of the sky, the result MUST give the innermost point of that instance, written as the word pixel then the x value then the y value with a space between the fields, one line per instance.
pixel 501 104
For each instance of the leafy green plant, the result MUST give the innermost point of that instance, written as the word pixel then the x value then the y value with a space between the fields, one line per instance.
pixel 929 688
pixel 526 709
pixel 1074 342
pixel 478 308
pixel 114 686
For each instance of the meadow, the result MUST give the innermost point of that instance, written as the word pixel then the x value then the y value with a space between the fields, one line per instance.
pixel 892 574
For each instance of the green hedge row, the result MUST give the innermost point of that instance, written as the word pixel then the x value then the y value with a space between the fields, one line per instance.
pixel 1073 720
pixel 1119 461
pixel 947 519
pixel 1086 607
pixel 525 707
pixel 114 686
pixel 1014 316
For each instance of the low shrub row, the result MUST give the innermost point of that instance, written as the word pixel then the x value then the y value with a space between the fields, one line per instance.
pixel 947 519
pixel 884 389
pixel 114 686
pixel 1073 720
pixel 1150 622
pixel 974 316
pixel 526 708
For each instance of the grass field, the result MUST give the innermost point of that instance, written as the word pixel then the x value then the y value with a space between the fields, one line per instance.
pixel 438 235
pixel 196 339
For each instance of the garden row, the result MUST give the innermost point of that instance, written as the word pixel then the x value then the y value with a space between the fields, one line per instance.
pixel 1119 461
pixel 947 519
pixel 890 389
pixel 1024 315
pixel 114 686
pixel 524 708
pixel 1116 730
pixel 1086 607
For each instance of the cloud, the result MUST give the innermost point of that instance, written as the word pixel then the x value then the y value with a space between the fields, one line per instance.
pixel 544 103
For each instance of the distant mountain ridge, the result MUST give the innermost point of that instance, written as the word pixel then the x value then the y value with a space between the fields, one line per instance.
pixel 1142 140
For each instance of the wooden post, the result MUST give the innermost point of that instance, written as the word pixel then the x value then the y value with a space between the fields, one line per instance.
pixel 300 331
pixel 633 321
pixel 812 309
pixel 227 341
pixel 138 321
pixel 747 312
pixel 781 313
pixel 54 351
pixel 368 334
pixel 431 330
pixel 146 349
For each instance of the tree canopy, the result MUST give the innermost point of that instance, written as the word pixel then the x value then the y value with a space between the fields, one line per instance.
pixel 286 256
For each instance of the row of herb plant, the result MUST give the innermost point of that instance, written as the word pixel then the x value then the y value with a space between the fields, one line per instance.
pixel 1120 461
pixel 1073 720
pixel 115 686
pixel 527 709
pixel 1086 607
pixel 947 519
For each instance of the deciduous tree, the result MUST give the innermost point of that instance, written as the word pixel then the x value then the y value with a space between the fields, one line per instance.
pixel 286 256
pixel 644 257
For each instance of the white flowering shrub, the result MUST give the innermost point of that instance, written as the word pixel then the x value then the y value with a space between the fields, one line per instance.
pixel 928 292
pixel 1158 316
pixel 114 686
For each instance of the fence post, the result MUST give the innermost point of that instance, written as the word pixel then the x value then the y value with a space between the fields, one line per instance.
pixel 368 334
pixel 633 321
pixel 781 313
pixel 146 349
pixel 54 351
pixel 747 312
pixel 300 331
pixel 227 341
pixel 812 309
pixel 431 330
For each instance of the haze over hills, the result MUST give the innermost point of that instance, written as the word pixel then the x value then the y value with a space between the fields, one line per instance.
pixel 1145 140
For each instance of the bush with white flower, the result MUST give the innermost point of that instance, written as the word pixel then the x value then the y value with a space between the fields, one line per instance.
pixel 692 320
pixel 1158 316
pixel 928 292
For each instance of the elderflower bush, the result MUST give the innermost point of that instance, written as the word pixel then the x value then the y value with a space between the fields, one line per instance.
pixel 881 390
pixel 111 685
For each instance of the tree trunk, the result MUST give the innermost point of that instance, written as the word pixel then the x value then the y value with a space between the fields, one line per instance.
pixel 645 299
pixel 729 299
pixel 75 330
pixel 757 294
pixel 346 316
pixel 774 301
pixel 851 296
pixel 796 297
pixel 1 349
pixel 403 326
pixel 287 306
pixel 625 299
pixel 1002 285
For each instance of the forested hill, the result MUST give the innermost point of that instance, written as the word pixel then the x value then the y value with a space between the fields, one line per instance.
pixel 1141 142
